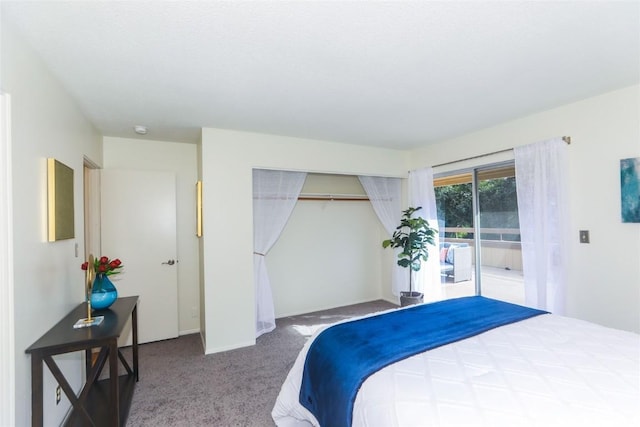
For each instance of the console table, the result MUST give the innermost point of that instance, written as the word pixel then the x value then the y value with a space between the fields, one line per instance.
pixel 100 402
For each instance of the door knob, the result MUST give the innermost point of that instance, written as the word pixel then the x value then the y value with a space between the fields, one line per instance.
pixel 170 262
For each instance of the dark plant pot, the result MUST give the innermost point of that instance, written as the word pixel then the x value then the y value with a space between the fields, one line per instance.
pixel 411 298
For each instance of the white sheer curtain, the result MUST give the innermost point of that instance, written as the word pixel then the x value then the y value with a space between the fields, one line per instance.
pixel 421 193
pixel 385 195
pixel 541 182
pixel 274 196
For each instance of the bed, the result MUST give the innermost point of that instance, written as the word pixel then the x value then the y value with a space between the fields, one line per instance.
pixel 541 370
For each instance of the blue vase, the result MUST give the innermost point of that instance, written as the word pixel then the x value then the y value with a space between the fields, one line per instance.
pixel 103 293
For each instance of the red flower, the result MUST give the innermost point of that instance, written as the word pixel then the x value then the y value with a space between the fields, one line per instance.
pixel 104 265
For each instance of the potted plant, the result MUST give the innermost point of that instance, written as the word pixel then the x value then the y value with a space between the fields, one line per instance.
pixel 413 235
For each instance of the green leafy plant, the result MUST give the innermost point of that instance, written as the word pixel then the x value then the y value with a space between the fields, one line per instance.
pixel 413 236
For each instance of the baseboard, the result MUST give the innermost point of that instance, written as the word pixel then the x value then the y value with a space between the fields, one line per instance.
pixel 330 307
pixel 204 343
pixel 189 331
pixel 231 347
pixel 392 301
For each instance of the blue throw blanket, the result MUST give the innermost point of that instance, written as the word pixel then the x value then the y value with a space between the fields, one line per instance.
pixel 344 355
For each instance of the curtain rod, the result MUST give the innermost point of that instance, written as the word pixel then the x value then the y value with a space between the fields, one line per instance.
pixel 566 139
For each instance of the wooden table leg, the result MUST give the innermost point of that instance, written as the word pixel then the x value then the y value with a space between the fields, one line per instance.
pixel 134 328
pixel 36 389
pixel 88 363
pixel 114 382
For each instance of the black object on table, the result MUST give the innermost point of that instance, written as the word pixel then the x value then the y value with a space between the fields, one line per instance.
pixel 100 402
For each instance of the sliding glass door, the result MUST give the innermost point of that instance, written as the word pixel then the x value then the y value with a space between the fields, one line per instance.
pixel 479 233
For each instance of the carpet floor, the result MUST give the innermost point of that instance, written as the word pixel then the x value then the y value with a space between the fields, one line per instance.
pixel 181 386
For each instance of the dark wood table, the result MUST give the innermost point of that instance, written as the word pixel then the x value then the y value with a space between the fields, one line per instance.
pixel 100 402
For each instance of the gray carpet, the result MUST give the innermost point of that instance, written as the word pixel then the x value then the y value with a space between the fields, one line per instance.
pixel 180 386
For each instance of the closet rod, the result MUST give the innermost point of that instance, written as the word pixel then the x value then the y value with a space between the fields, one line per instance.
pixel 566 139
pixel 335 198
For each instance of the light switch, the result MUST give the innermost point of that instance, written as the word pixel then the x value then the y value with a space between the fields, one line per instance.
pixel 584 236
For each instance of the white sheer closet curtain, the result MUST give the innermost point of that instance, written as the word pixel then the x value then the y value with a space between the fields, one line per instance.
pixel 421 193
pixel 275 194
pixel 385 196
pixel 541 185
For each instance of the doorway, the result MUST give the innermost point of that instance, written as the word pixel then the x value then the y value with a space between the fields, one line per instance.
pixel 91 193
pixel 138 226
pixel 118 211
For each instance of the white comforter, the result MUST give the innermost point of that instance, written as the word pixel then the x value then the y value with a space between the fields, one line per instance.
pixel 544 371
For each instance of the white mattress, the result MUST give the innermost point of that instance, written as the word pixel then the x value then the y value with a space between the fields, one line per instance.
pixel 544 371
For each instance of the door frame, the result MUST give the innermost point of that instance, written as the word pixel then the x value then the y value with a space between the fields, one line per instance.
pixel 7 322
pixel 473 175
pixel 91 205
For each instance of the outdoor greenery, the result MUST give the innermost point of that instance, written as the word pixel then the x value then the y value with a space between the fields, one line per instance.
pixel 455 207
pixel 498 207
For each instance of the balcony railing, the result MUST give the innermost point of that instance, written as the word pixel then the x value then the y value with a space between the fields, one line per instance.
pixel 500 251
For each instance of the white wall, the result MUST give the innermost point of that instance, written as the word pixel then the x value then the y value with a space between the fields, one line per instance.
pixel 329 253
pixel 201 294
pixel 146 155
pixel 228 158
pixel 45 123
pixel 327 256
pixel 604 282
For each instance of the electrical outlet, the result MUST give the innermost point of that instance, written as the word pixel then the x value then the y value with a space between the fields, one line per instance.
pixel 584 236
pixel 58 394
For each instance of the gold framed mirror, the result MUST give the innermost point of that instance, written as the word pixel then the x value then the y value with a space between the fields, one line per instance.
pixel 199 208
pixel 60 210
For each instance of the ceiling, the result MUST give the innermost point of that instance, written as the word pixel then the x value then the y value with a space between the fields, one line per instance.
pixel 395 74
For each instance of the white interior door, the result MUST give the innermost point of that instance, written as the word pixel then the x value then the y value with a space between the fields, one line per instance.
pixel 138 215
